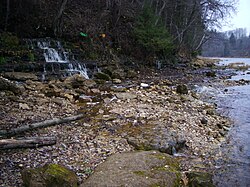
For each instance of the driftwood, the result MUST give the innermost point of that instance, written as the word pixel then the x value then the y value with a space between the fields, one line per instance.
pixel 43 124
pixel 31 142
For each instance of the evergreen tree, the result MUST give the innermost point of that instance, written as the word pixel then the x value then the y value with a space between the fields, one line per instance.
pixel 155 39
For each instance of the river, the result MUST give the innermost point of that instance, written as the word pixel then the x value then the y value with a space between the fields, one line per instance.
pixel 233 169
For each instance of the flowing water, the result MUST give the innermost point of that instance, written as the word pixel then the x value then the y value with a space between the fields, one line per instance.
pixel 234 165
pixel 57 58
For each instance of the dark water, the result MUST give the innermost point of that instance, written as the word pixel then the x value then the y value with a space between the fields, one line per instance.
pixel 234 164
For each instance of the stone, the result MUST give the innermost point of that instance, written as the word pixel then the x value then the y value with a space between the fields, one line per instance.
pixel 136 169
pixel 144 85
pixel 89 83
pixel 131 73
pixel 118 88
pixel 20 76
pixel 204 121
pixel 24 106
pixel 200 179
pixel 153 137
pixel 182 89
pixel 84 98
pixel 117 81
pixel 125 96
pixel 102 76
pixel 78 81
pixel 211 74
pixel 50 175
pixel 7 85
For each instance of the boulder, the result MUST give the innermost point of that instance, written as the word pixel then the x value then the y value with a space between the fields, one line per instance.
pixel 50 175
pixel 211 74
pixel 77 81
pixel 7 85
pixel 154 137
pixel 200 179
pixel 182 89
pixel 136 169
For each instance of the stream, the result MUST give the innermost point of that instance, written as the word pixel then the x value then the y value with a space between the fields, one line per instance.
pixel 233 168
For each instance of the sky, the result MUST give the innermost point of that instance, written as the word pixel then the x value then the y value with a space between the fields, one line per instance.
pixel 242 17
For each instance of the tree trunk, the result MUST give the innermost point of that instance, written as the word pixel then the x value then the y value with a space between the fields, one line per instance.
pixel 7 14
pixel 31 142
pixel 46 123
pixel 58 19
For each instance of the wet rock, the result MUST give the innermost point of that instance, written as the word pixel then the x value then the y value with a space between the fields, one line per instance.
pixel 204 121
pixel 5 84
pixel 20 76
pixel 144 85
pixel 182 89
pixel 200 179
pixel 51 175
pixel 211 74
pixel 135 169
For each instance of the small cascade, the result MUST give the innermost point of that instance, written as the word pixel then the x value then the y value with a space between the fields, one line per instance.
pixel 57 58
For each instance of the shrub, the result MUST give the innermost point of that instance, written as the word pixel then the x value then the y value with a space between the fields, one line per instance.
pixel 2 60
pixel 8 41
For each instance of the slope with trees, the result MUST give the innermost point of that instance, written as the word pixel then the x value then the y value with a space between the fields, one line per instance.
pixel 180 26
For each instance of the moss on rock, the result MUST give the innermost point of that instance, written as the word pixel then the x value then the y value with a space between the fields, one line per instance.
pixel 50 175
pixel 140 168
pixel 200 179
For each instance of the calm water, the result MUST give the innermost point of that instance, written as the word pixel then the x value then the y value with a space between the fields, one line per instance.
pixel 234 166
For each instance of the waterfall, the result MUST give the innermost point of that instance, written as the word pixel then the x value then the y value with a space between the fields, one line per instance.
pixel 57 58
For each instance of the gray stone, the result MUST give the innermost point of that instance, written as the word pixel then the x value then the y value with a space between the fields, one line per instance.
pixel 155 138
pixel 125 96
pixel 136 169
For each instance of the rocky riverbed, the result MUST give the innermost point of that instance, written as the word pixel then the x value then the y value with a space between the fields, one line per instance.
pixel 156 112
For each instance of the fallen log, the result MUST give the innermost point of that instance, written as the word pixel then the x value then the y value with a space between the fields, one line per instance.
pixel 30 142
pixel 43 124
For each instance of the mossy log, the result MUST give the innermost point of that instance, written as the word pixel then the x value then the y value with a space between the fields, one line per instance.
pixel 30 142
pixel 43 124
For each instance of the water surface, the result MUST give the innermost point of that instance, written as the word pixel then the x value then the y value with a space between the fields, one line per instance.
pixel 234 165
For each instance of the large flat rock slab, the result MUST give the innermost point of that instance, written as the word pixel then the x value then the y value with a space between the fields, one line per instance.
pixel 132 169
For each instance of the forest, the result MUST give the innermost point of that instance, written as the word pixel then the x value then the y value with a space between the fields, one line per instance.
pixel 234 43
pixel 143 29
